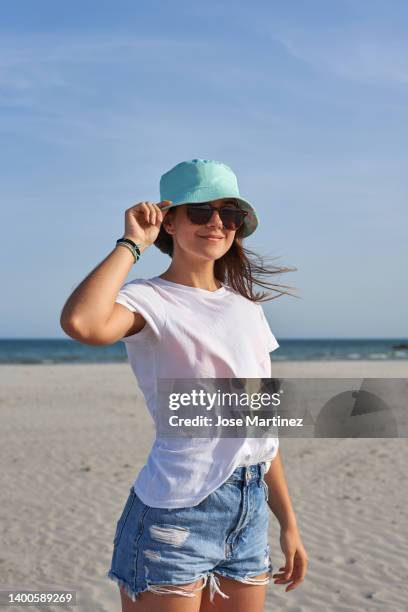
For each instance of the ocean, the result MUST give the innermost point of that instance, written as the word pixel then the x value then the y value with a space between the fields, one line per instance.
pixel 70 351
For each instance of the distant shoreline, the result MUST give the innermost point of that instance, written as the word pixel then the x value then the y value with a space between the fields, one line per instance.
pixel 288 369
pixel 45 351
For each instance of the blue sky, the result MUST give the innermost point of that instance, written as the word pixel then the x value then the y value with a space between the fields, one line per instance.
pixel 306 101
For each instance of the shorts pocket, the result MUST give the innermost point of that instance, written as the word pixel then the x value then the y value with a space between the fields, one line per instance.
pixel 125 513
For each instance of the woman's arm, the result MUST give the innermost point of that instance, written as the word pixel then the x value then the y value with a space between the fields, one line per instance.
pixel 90 307
pixel 279 500
pixel 292 547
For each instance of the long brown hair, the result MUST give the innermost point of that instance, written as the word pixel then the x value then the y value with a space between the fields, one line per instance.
pixel 239 267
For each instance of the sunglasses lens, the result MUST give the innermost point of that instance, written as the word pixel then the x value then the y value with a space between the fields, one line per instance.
pixel 199 214
pixel 231 218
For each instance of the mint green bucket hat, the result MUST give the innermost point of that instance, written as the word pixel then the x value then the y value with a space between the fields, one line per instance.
pixel 203 180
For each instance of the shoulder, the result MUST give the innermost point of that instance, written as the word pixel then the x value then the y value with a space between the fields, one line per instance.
pixel 144 285
pixel 241 299
pixel 141 291
pixel 141 296
pixel 139 281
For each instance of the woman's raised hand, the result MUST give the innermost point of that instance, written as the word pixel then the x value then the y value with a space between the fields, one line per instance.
pixel 143 221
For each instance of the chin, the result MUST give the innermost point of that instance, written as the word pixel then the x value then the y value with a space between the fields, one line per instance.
pixel 209 254
pixel 207 249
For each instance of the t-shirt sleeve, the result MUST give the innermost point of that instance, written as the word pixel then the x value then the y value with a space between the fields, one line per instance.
pixel 139 296
pixel 271 341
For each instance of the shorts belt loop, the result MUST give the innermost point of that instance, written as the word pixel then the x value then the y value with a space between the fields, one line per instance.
pixel 261 470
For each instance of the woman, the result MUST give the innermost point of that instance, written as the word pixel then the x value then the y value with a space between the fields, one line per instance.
pixel 197 514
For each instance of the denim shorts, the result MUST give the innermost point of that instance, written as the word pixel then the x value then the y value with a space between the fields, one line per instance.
pixel 226 533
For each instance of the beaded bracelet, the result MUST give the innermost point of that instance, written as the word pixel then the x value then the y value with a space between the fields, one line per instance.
pixel 132 246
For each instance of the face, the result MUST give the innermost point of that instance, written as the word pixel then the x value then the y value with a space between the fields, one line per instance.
pixel 209 241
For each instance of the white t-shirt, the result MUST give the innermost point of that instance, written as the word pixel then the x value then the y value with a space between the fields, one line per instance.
pixel 195 333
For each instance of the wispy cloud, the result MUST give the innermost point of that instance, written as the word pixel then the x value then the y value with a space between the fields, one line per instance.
pixel 64 89
pixel 33 64
pixel 348 52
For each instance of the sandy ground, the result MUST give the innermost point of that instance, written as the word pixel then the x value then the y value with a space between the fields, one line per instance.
pixel 73 438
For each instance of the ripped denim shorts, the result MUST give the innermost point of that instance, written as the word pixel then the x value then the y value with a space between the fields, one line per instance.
pixel 225 534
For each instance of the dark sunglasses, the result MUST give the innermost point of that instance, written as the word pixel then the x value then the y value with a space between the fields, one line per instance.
pixel 200 214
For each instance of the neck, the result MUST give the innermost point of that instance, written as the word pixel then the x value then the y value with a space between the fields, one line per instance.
pixel 196 274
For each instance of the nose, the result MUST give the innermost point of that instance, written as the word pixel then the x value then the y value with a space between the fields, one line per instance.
pixel 215 220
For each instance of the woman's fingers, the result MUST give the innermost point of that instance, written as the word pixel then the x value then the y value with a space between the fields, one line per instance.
pixel 143 207
pixel 159 214
pixel 285 575
pixel 295 576
pixel 298 575
pixel 151 211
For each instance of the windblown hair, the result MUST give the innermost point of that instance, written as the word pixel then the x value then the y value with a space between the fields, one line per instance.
pixel 239 268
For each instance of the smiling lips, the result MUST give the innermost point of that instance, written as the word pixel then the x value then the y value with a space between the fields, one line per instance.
pixel 212 237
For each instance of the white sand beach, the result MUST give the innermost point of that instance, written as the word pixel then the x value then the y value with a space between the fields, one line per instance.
pixel 73 438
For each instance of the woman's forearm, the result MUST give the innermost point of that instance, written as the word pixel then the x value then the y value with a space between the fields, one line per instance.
pixel 279 499
pixel 91 304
